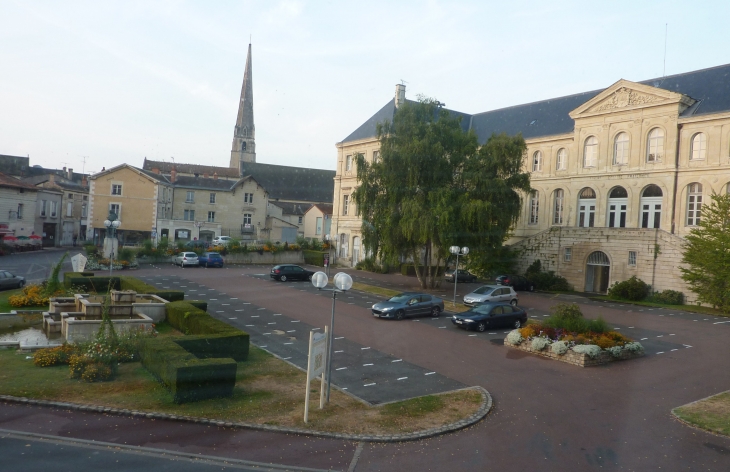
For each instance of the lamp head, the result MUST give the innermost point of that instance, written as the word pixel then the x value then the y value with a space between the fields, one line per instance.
pixel 465 250
pixel 343 281
pixel 107 223
pixel 454 249
pixel 319 279
pixel 116 223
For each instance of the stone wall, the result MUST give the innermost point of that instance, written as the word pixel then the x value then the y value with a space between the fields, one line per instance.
pixel 658 255
pixel 575 358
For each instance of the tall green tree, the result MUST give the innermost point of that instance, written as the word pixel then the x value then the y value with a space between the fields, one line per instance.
pixel 435 187
pixel 707 255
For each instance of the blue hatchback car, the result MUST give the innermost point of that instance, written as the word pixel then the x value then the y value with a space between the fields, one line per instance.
pixel 210 259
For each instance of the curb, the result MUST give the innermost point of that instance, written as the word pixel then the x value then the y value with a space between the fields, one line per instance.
pixel 483 410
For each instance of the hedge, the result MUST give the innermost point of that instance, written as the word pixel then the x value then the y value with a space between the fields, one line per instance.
pixel 201 304
pixel 188 377
pixel 314 257
pixel 101 284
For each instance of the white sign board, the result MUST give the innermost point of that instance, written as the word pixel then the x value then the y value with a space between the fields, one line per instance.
pixel 316 366
pixel 78 262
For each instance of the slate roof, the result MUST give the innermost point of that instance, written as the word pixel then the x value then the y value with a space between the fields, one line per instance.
pixel 166 167
pixel 203 183
pixel 292 183
pixel 7 181
pixel 325 208
pixel 710 87
pixel 290 208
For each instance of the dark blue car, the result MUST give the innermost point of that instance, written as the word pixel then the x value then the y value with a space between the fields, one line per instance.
pixel 211 259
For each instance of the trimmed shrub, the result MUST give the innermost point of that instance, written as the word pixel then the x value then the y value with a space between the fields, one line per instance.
pixel 90 283
pixel 633 289
pixel 559 347
pixel 315 258
pixel 591 350
pixel 546 280
pixel 634 347
pixel 133 283
pixel 199 304
pixel 539 343
pixel 668 297
pixel 514 337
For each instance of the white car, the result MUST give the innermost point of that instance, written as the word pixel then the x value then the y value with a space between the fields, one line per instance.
pixel 222 240
pixel 491 293
pixel 186 259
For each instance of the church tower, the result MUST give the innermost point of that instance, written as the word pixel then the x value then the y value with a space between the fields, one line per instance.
pixel 243 148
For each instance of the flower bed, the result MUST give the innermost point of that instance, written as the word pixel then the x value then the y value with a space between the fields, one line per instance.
pixel 582 350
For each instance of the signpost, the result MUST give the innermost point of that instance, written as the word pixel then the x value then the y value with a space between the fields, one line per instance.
pixel 316 366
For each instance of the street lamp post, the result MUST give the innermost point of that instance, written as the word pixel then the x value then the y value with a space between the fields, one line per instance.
pixel 457 251
pixel 343 283
pixel 111 223
pixel 198 224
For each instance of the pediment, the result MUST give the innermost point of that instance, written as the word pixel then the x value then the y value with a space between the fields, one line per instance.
pixel 627 95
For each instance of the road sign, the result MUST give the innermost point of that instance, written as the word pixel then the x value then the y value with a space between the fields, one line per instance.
pixel 315 366
pixel 326 260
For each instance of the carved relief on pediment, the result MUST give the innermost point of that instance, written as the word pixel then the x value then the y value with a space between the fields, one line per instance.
pixel 625 97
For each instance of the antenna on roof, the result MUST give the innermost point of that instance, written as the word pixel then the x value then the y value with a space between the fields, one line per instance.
pixel 403 82
pixel 664 72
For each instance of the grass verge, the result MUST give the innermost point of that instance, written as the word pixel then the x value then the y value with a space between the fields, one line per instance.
pixel 268 391
pixel 5 306
pixel 711 414
pixel 690 308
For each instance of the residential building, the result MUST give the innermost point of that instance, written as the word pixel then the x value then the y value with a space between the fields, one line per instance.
pixel 17 206
pixel 318 221
pixel 619 175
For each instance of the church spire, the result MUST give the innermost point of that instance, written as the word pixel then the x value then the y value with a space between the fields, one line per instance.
pixel 243 148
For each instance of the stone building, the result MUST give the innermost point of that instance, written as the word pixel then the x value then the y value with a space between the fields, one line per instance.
pixel 17 206
pixel 619 175
pixel 243 148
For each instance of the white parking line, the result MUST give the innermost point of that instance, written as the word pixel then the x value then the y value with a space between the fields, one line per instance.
pixel 277 314
pixel 472 335
pixel 660 352
pixel 365 365
pixel 246 303
pixel 291 331
pixel 686 345
pixel 363 348
pixel 233 298
pixel 642 339
pixel 248 326
pixel 338 351
pixel 240 309
pixel 264 345
pixel 631 327
pixel 402 378
pixel 262 308
pixel 234 318
pixel 286 344
pixel 341 368
pixel 341 337
pixel 266 334
pixel 671 335
pixel 429 373
pixel 368 385
pixel 660 336
pixel 295 321
pixel 254 316
pixel 673 350
pixel 397 360
pixel 211 299
pixel 225 304
pixel 286 358
pixel 415 320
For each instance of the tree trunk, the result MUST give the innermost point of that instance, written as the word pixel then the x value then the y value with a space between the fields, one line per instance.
pixel 417 268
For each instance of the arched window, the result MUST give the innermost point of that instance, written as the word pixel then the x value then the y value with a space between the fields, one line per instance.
pixel 694 204
pixel 590 152
pixel 559 196
pixel 655 145
pixel 617 205
pixel 343 245
pixel 586 208
pixel 651 206
pixel 537 161
pixel 699 147
pixel 534 207
pixel 561 162
pixel 621 149
pixel 243 145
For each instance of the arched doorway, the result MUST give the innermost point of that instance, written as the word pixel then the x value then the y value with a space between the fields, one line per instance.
pixel 618 200
pixel 586 208
pixel 597 271
pixel 355 250
pixel 651 206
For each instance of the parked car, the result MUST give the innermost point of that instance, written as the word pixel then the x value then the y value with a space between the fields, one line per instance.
pixel 210 259
pixel 186 259
pixel 284 272
pixel 491 293
pixel 408 304
pixel 8 280
pixel 197 243
pixel 462 276
pixel 518 282
pixel 491 315
pixel 222 240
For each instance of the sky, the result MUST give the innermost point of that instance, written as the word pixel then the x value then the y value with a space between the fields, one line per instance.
pixel 89 84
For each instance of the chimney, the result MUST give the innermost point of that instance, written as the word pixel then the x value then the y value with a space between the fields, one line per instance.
pixel 70 174
pixel 400 94
pixel 205 175
pixel 173 175
pixel 84 183
pixel 51 179
pixel 215 175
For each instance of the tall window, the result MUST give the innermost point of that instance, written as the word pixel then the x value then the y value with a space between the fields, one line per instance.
pixel 534 207
pixel 20 211
pixel 655 145
pixel 651 207
pixel 212 198
pixel 621 149
pixel 586 208
pixel 632 258
pixel 189 215
pixel 247 218
pixel 345 204
pixel 617 204
pixel 348 162
pixel 54 209
pixel 318 228
pixel 590 152
pixel 567 254
pixel 376 156
pixel 69 208
pixel 561 163
pixel 116 208
pixel 248 198
pixel 44 207
pixel 343 245
pixel 694 204
pixel 116 189
pixel 83 211
pixel 558 212
pixel 301 219
pixel 699 147
pixel 211 217
pixel 537 161
pixel 190 197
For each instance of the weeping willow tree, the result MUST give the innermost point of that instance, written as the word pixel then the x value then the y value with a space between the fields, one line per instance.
pixel 435 187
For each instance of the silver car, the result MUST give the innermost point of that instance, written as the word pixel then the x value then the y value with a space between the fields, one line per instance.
pixel 491 293
pixel 186 259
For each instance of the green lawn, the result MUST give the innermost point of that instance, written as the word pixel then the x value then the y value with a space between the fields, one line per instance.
pixel 711 414
pixel 5 304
